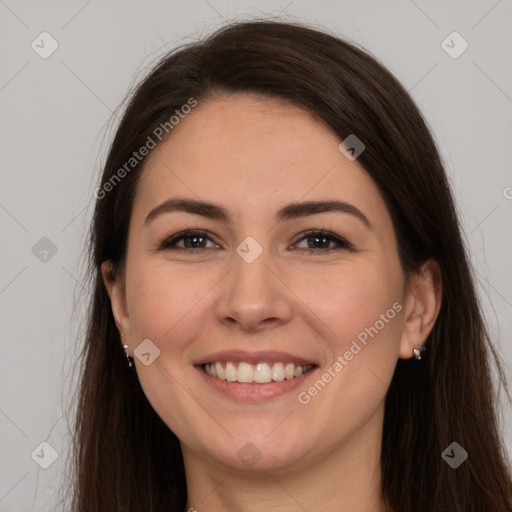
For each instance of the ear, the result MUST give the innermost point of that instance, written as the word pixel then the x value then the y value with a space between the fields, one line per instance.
pixel 422 305
pixel 115 290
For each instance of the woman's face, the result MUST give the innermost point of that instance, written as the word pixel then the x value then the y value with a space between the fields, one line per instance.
pixel 257 294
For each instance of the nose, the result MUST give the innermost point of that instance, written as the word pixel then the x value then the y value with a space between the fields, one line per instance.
pixel 253 296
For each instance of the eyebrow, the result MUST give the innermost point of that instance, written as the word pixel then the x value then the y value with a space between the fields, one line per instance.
pixel 288 212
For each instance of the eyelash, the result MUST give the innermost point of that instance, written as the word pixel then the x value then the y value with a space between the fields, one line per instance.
pixel 170 243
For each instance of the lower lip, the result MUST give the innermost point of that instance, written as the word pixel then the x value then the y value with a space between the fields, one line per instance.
pixel 254 392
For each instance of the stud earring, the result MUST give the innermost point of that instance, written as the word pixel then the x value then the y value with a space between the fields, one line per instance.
pixel 418 351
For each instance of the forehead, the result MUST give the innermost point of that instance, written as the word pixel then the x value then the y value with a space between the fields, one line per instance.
pixel 252 154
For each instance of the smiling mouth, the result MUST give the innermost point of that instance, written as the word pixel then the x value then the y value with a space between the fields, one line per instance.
pixel 261 373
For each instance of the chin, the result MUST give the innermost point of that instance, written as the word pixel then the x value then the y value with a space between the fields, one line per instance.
pixel 259 453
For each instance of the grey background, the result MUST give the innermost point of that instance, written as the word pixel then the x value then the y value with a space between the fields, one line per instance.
pixel 55 130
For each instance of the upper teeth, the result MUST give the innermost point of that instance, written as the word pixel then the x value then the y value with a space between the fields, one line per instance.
pixel 261 372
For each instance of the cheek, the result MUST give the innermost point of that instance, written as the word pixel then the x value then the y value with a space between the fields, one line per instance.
pixel 363 311
pixel 167 304
pixel 354 301
pixel 362 308
pixel 169 307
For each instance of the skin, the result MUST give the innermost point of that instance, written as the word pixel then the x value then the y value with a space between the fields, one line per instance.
pixel 253 156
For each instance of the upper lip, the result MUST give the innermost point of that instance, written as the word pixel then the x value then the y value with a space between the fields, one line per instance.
pixel 255 357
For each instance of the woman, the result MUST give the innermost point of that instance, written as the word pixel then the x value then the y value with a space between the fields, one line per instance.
pixel 284 316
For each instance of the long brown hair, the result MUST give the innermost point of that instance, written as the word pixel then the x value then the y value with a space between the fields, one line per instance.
pixel 125 458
